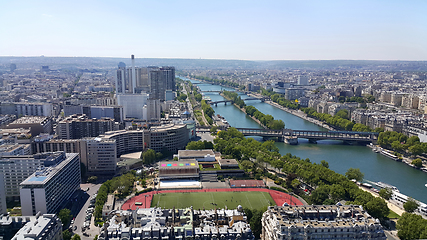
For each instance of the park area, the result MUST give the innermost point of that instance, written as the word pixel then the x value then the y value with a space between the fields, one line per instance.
pixel 254 198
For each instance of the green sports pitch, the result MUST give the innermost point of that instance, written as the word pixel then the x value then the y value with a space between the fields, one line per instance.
pixel 211 200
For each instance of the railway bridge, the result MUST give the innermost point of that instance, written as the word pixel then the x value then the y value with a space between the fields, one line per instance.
pixel 291 136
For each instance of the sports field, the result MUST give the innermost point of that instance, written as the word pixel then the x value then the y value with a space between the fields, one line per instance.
pixel 210 200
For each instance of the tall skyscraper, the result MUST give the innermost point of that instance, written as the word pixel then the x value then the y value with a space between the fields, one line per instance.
pixel 121 79
pixel 157 84
pixel 132 90
pixel 169 76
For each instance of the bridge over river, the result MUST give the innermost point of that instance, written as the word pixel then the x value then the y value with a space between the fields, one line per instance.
pixel 291 136
pixel 225 101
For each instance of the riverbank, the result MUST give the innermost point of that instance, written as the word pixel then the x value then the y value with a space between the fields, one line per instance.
pixel 301 115
pixel 244 111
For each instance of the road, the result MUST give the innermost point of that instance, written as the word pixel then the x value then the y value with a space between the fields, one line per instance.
pixel 80 218
pixel 205 136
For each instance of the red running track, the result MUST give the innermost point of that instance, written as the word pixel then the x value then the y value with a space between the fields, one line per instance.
pixel 144 199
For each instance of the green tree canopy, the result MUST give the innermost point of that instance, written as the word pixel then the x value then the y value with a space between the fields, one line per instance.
pixel 410 206
pixel 66 235
pixel 385 193
pixel 76 237
pixel 343 113
pixel 65 216
pixel 324 163
pixel 417 162
pixel 411 226
pixel 377 208
pixel 148 156
pixel 354 173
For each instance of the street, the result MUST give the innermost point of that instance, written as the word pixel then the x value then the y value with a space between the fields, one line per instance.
pixel 80 218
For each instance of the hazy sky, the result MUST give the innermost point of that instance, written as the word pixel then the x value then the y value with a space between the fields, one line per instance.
pixel 251 30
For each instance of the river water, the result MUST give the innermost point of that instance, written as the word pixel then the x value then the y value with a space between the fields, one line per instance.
pixel 340 157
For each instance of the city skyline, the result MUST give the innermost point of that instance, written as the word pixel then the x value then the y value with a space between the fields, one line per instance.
pixel 273 30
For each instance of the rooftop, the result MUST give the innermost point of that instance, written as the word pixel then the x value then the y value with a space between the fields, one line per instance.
pixel 44 174
pixel 195 153
pixel 29 119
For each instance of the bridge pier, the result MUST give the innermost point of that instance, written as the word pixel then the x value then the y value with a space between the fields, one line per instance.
pixel 312 141
pixel 216 104
pixel 225 103
pixel 291 140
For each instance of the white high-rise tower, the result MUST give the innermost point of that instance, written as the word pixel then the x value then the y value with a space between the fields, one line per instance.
pixel 133 74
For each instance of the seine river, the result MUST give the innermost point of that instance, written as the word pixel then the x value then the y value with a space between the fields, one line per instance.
pixel 340 157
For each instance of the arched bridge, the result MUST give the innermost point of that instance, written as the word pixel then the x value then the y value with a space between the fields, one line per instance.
pixel 312 136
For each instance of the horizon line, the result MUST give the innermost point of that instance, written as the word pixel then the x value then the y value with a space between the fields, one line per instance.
pixel 220 59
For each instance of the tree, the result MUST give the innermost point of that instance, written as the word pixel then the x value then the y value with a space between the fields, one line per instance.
pixel 379 130
pixel 337 192
pixel 319 195
pixel 65 216
pixel 76 237
pixel 324 163
pixel 92 179
pixel 410 206
pixel 148 156
pixel 385 193
pixel 255 222
pixel 377 208
pixel 295 183
pixel 66 235
pixel 354 173
pixel 343 113
pixel 213 130
pixel 246 165
pixel 411 226
pixel 270 146
pixel 416 149
pixel 417 162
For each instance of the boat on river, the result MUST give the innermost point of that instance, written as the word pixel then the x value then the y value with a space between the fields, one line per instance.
pixel 385 185
pixel 389 155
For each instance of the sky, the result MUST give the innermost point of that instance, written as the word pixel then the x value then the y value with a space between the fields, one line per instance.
pixel 231 29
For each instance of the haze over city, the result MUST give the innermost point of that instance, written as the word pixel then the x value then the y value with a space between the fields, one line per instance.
pixel 247 30
pixel 231 120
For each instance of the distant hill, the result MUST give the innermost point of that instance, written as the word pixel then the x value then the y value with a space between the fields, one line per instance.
pixel 181 64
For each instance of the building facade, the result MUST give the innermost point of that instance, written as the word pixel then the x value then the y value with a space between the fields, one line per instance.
pixel 80 126
pixel 98 155
pixel 171 137
pixel 3 207
pixel 133 105
pixel 319 222
pixel 36 124
pixel 49 187
pixel 16 169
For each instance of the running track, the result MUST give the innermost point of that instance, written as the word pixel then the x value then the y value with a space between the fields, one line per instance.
pixel 145 198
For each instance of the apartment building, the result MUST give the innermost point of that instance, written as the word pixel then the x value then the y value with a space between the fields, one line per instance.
pixel 17 168
pixel 36 124
pixel 42 227
pixel 320 222
pixel 98 155
pixel 80 126
pixel 49 187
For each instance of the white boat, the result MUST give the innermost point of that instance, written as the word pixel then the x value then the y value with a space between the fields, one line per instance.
pixel 389 155
pixel 385 185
